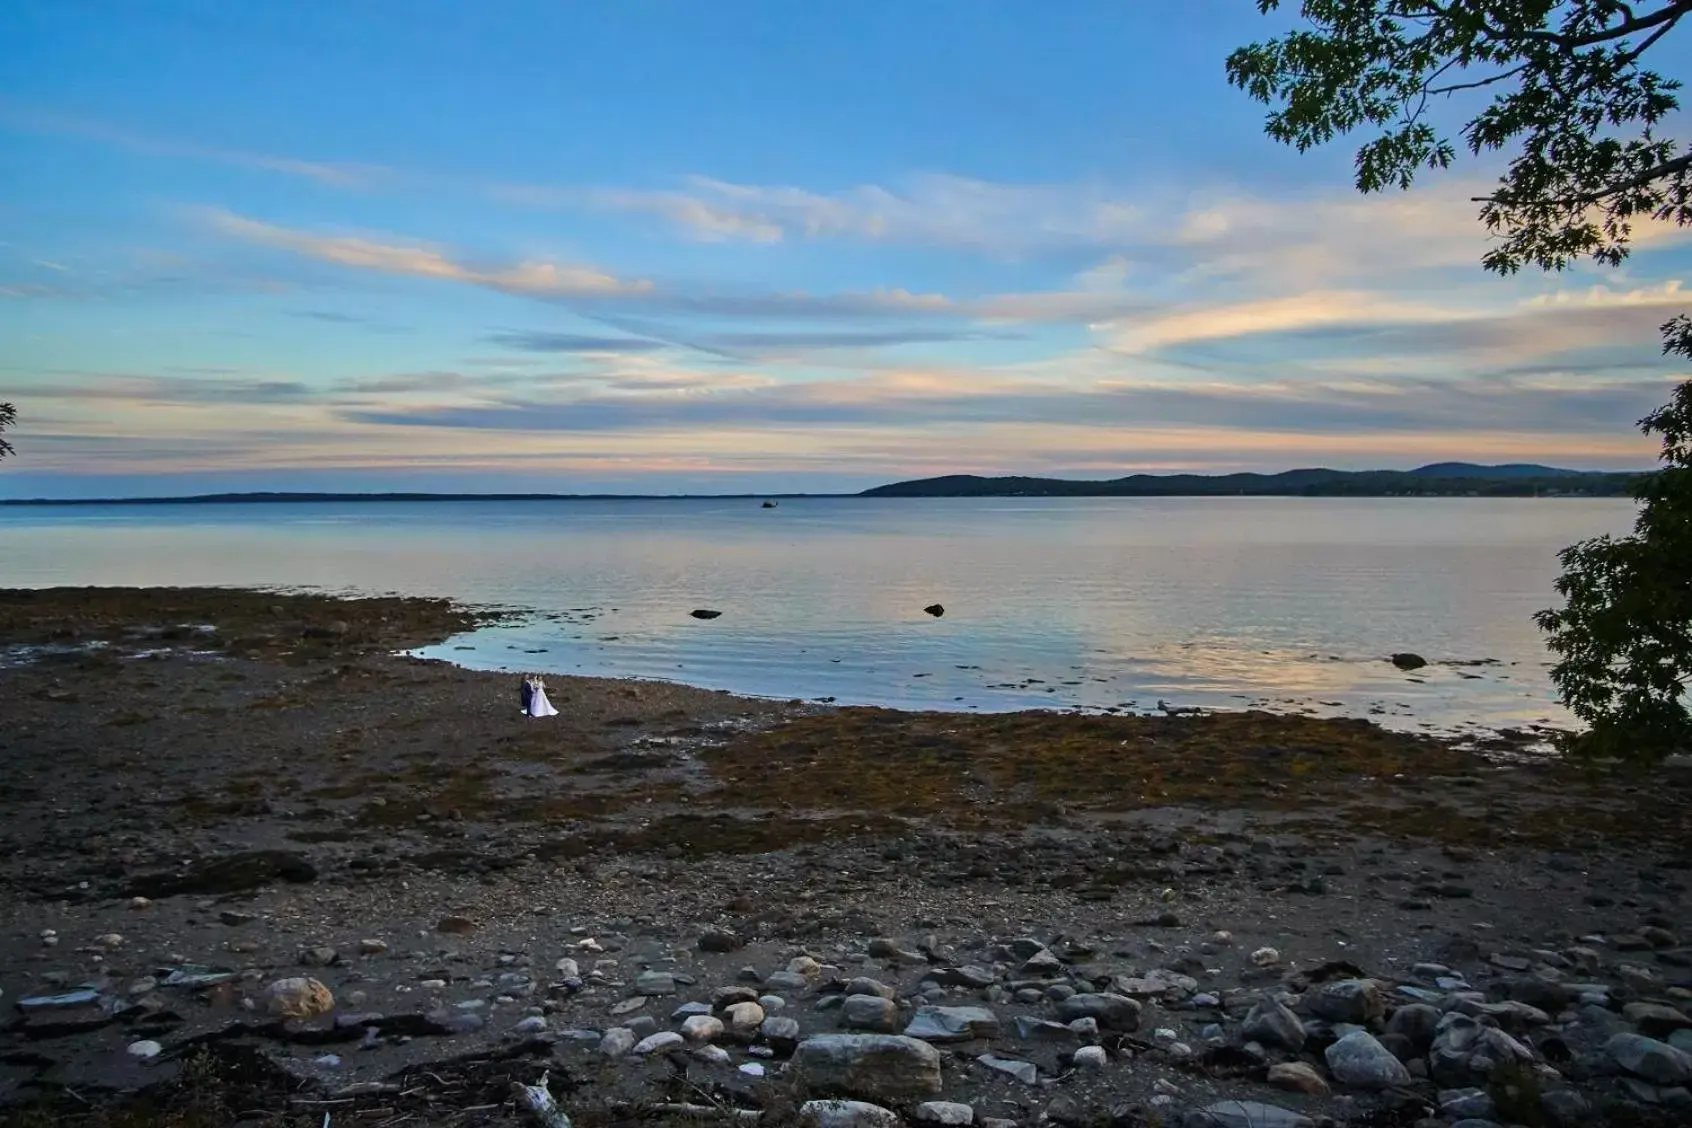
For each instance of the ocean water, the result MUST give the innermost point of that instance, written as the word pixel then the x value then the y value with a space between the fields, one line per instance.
pixel 1094 603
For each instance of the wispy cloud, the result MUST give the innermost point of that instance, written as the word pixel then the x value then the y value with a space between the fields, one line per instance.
pixel 332 174
pixel 536 278
pixel 543 342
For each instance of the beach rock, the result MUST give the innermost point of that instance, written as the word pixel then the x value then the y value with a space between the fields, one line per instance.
pixel 705 613
pixel 651 983
pixel 720 940
pixel 236 873
pixel 1298 1077
pixel 1265 957
pixel 944 1114
pixel 1565 1108
pixel 320 956
pixel 864 985
pixel 1112 1012
pixel 454 924
pixel 145 1050
pixel 618 1041
pixel 1356 1001
pixel 1090 1057
pixel 372 947
pixel 954 1024
pixel 870 1012
pixel 702 1028
pixel 935 609
pixel 1273 1024
pixel 1416 1023
pixel 876 1066
pixel 654 1043
pixel 1645 1057
pixel 1032 1029
pixel 1406 660
pixel 1457 1104
pixel 786 981
pixel 235 918
pixel 533 1024
pixel 782 1034
pixel 1360 1062
pixel 1655 1019
pixel 298 998
pixel 962 977
pixel 847 1114
pixel 743 1018
pixel 1024 1071
pixel 1246 1114
pixel 1465 1050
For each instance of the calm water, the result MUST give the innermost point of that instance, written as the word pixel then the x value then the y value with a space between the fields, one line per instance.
pixel 1059 602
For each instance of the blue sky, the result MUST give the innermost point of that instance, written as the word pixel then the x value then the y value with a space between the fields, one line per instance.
pixel 744 246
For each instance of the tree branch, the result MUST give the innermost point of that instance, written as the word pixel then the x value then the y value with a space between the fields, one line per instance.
pixel 1667 168
pixel 1476 85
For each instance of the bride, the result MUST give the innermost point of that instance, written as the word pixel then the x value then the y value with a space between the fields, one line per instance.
pixel 535 703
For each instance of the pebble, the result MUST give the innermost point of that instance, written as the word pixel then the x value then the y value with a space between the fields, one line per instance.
pixel 534 1024
pixel 1265 957
pixel 1298 1077
pixel 744 1017
pixel 145 1050
pixel 455 925
pixel 372 947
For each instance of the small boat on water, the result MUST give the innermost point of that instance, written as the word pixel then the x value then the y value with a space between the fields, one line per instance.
pixel 771 504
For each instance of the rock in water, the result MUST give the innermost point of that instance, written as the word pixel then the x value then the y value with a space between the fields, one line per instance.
pixel 705 613
pixel 935 609
pixel 1361 1062
pixel 876 1066
pixel 846 1114
pixel 954 1024
pixel 1408 661
pixel 298 998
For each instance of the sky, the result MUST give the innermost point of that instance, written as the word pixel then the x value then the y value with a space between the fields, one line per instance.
pixel 750 246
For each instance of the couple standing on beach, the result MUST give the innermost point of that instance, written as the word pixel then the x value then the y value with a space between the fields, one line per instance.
pixel 533 695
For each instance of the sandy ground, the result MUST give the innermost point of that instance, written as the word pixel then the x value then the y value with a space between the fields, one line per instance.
pixel 205 792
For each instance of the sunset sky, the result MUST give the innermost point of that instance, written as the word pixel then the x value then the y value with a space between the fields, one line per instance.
pixel 747 246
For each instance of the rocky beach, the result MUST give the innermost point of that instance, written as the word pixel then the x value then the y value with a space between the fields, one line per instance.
pixel 259 867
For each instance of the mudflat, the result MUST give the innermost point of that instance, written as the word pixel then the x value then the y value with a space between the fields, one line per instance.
pixel 259 867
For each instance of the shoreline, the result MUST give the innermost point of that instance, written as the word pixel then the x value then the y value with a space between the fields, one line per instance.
pixel 294 799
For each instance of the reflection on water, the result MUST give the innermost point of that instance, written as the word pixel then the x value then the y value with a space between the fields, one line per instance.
pixel 1097 602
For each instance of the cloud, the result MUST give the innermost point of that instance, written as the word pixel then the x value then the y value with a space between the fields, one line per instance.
pixel 145 389
pixel 542 342
pixel 535 278
pixel 329 174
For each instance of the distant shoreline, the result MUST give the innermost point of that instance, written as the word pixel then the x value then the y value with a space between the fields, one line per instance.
pixel 1443 479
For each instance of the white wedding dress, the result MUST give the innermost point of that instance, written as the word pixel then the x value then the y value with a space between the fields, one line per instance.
pixel 539 706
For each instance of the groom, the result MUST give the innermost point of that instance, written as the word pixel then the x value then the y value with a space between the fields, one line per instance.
pixel 527 692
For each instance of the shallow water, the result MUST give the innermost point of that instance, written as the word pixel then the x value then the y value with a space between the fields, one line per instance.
pixel 1092 602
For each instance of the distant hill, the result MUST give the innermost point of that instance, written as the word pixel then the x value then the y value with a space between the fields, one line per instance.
pixel 1442 479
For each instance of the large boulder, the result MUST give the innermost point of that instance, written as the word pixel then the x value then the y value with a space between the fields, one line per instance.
pixel 872 1066
pixel 1360 1062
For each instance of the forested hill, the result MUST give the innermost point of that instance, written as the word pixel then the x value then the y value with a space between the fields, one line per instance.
pixel 1444 479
